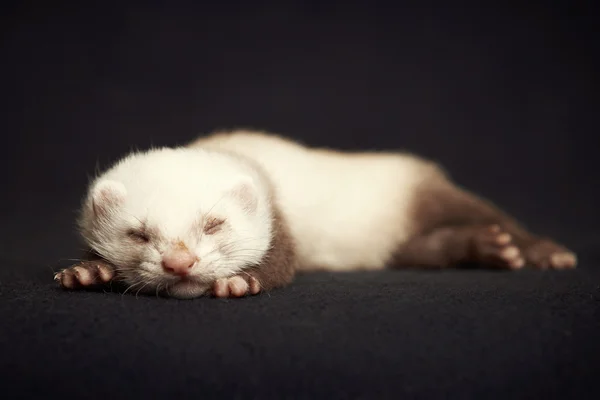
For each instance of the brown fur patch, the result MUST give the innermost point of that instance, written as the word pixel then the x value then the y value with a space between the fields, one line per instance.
pixel 280 262
pixel 438 202
pixel 445 215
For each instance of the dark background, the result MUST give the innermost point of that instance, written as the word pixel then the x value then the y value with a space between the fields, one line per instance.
pixel 504 95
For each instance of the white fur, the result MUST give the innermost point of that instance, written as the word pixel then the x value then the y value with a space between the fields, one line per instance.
pixel 345 211
pixel 174 191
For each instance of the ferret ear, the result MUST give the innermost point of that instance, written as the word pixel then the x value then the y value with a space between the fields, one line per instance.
pixel 107 195
pixel 244 192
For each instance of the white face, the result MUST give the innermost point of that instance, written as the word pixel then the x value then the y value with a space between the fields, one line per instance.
pixel 167 227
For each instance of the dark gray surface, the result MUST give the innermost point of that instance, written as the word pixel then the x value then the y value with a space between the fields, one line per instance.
pixel 400 334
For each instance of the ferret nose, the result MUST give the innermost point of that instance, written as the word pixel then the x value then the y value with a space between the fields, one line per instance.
pixel 178 262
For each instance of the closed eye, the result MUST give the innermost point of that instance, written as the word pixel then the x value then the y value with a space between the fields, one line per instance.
pixel 138 236
pixel 213 225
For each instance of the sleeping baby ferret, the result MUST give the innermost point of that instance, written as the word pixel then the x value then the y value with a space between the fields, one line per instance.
pixel 239 213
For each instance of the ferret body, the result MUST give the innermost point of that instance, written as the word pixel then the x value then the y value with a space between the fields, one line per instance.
pixel 236 213
pixel 345 211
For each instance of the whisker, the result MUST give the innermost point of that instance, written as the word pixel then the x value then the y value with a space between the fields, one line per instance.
pixel 158 288
pixel 130 287
pixel 136 293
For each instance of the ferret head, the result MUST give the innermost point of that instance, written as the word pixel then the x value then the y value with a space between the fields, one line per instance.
pixel 175 220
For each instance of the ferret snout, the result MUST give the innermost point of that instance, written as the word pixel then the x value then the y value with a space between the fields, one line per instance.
pixel 178 261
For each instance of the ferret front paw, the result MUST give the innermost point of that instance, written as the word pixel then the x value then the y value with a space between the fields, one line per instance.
pixel 85 274
pixel 236 286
